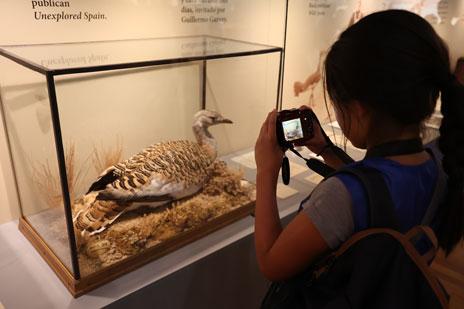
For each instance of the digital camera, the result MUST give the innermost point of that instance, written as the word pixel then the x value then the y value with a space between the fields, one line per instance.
pixel 294 125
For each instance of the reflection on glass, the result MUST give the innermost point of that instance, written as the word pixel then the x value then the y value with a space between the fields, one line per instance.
pixel 74 55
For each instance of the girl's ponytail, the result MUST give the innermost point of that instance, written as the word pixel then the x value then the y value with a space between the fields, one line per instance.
pixel 451 143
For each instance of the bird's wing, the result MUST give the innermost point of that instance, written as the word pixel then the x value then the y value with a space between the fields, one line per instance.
pixel 159 172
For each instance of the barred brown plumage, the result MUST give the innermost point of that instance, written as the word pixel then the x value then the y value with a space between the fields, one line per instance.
pixel 158 174
pixel 187 159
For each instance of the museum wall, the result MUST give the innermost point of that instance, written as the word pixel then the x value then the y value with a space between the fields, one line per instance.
pixel 314 25
pixel 242 89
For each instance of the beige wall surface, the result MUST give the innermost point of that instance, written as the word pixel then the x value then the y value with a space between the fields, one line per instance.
pixel 124 19
pixel 314 25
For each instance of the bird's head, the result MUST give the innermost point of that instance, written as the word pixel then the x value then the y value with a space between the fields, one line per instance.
pixel 206 118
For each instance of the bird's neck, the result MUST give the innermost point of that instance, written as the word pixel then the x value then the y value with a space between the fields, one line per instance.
pixel 205 139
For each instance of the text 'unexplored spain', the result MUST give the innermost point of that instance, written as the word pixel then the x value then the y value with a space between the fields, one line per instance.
pixel 53 11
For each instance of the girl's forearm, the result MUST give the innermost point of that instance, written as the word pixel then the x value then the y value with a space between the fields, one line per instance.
pixel 267 221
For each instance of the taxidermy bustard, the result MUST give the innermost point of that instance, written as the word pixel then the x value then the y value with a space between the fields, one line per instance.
pixel 159 174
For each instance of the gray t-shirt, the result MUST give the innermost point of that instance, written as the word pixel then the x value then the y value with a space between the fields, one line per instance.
pixel 330 209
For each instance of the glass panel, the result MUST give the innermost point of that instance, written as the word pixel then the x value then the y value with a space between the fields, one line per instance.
pixel 30 131
pixel 78 55
pixel 247 104
pixel 257 98
pixel 108 117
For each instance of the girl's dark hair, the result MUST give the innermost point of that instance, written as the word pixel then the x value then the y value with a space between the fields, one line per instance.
pixel 395 64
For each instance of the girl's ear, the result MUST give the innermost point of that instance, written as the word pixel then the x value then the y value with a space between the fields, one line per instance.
pixel 360 115
pixel 359 111
pixel 360 123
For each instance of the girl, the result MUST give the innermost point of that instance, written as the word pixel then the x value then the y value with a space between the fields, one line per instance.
pixel 383 76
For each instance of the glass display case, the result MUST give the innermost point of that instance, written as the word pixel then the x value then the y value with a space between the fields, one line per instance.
pixel 113 158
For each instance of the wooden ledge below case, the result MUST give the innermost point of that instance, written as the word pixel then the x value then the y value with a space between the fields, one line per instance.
pixel 90 282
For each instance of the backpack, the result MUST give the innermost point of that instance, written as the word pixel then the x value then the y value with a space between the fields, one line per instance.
pixel 376 268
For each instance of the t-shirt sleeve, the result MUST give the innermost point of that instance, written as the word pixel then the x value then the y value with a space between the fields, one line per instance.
pixel 330 210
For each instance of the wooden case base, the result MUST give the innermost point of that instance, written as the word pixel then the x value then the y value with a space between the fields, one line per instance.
pixel 90 282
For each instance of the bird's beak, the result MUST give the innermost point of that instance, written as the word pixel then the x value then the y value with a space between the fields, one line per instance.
pixel 224 120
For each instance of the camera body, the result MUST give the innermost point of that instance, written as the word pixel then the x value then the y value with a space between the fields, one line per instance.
pixel 294 125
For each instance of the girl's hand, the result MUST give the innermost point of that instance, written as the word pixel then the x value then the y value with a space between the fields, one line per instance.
pixel 318 142
pixel 268 154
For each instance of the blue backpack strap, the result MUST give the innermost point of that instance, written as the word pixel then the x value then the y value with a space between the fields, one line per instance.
pixel 359 201
pixel 380 205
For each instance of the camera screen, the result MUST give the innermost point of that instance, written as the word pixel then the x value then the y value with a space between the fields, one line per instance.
pixel 292 129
